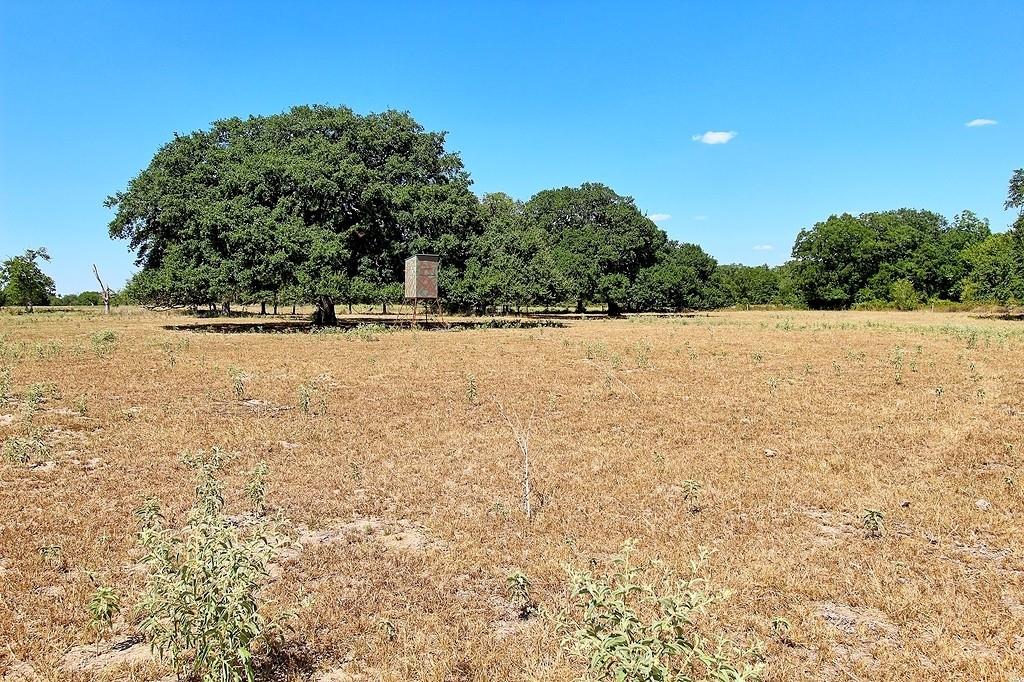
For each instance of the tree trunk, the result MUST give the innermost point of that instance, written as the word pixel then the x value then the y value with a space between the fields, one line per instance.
pixel 275 304
pixel 580 308
pixel 350 307
pixel 384 308
pixel 103 290
pixel 293 308
pixel 613 309
pixel 324 315
pixel 225 307
pixel 263 307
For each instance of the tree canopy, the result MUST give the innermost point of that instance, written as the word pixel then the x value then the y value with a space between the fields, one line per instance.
pixel 853 259
pixel 317 201
pixel 23 283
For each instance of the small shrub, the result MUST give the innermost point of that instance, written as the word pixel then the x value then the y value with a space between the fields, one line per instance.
pixel 691 493
pixel 5 384
pixel 81 406
pixel 518 587
pixel 238 381
pixel 642 349
pixel 874 522
pixel 103 341
pixel 256 489
pixel 311 399
pixel 471 389
pixel 53 555
pixel 104 604
pixel 22 449
pixel 202 607
pixel 903 294
pixel 625 626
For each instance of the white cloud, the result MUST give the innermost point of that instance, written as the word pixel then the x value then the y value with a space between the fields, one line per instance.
pixel 659 217
pixel 715 137
pixel 763 247
pixel 979 122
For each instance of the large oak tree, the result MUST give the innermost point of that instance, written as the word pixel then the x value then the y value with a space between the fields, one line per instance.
pixel 302 204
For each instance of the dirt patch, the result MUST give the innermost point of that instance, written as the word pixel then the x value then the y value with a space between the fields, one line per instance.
pixel 251 406
pixel 982 552
pixel 122 652
pixel 863 621
pixel 402 535
pixel 20 672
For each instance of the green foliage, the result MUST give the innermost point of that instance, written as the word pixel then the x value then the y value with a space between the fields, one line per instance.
pixel 996 270
pixel 104 604
pixel 626 624
pixel 103 341
pixel 518 587
pixel 23 449
pixel 202 608
pixel 23 282
pixel 239 380
pixel 874 522
pixel 849 259
pixel 472 393
pixel 903 295
pixel 307 200
pixel 746 285
pixel 1015 200
pixel 85 298
pixel 256 489
pixel 5 384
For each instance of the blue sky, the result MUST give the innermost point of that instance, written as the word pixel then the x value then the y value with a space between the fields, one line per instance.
pixel 845 106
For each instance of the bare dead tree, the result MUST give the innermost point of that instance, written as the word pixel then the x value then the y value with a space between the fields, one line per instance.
pixel 521 435
pixel 104 291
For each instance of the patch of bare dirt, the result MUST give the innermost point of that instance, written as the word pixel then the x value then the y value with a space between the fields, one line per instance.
pixel 20 672
pixel 402 535
pixel 122 652
pixel 862 621
pixel 982 552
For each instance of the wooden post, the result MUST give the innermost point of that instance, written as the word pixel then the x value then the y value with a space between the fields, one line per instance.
pixel 103 290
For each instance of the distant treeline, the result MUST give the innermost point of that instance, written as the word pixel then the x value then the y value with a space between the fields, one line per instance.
pixel 320 205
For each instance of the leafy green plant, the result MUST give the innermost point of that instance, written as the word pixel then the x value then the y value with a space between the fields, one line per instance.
pixel 874 522
pixel 642 349
pixel 5 384
pixel 103 341
pixel 518 587
pixel 53 555
pixel 256 489
pixel 370 331
pixel 22 449
pixel 471 389
pixel 104 604
pixel 782 630
pixel 238 381
pixel 311 398
pixel 691 493
pixel 203 609
pixel 625 624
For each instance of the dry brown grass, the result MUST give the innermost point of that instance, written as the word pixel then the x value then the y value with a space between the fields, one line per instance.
pixel 794 422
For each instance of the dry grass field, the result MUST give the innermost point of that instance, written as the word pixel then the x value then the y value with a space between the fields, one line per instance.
pixel 402 481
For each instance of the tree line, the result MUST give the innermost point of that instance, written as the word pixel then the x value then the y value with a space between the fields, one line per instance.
pixel 320 205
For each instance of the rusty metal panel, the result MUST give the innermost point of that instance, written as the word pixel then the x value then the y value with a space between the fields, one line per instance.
pixel 421 276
